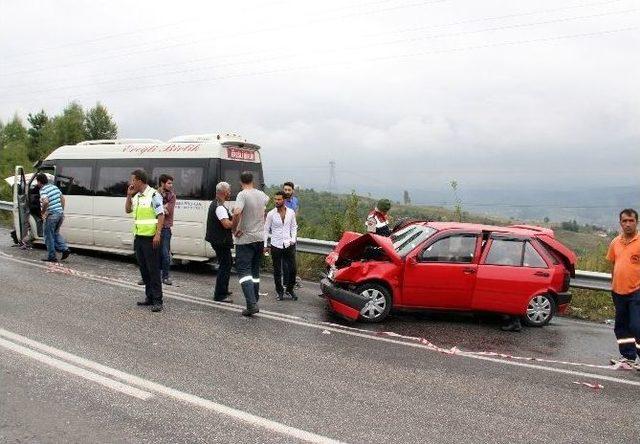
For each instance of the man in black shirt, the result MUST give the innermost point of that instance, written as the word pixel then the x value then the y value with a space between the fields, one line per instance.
pixel 219 223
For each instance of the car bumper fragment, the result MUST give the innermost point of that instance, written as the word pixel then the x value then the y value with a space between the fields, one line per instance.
pixel 343 302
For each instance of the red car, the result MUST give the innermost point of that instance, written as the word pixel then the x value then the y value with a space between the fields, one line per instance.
pixel 517 270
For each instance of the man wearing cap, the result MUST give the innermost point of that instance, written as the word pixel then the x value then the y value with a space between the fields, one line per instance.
pixel 377 221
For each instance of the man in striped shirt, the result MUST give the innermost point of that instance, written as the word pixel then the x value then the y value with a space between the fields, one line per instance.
pixel 52 211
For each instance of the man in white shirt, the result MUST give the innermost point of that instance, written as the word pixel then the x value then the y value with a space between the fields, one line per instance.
pixel 281 226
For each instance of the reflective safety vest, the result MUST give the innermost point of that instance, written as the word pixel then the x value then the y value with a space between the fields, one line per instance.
pixel 145 222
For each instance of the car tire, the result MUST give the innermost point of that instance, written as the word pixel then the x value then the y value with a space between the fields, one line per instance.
pixel 540 310
pixel 379 305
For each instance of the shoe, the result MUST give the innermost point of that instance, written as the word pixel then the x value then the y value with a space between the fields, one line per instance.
pixel 225 299
pixel 227 293
pixel 65 254
pixel 292 295
pixel 280 297
pixel 156 308
pixel 167 281
pixel 144 303
pixel 46 259
pixel 513 325
pixel 141 282
pixel 622 360
pixel 250 311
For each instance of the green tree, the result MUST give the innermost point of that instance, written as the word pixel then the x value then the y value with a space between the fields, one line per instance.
pixel 406 199
pixel 99 124
pixel 13 131
pixel 38 122
pixel 68 128
pixel 457 208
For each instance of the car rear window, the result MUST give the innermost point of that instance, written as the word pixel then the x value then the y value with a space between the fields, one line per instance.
pixel 515 253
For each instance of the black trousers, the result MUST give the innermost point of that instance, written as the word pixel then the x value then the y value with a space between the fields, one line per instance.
pixel 149 263
pixel 284 268
pixel 224 271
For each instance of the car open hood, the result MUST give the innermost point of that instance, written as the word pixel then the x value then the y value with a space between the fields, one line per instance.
pixel 568 257
pixel 351 247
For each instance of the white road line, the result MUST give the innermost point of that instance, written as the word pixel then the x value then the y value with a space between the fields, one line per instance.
pixel 241 415
pixel 66 367
pixel 299 321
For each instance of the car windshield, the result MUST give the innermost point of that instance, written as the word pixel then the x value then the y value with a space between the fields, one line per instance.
pixel 410 237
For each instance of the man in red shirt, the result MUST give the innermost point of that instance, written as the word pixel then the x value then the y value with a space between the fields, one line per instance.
pixel 624 254
pixel 169 202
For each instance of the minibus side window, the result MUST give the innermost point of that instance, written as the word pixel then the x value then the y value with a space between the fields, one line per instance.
pixel 187 180
pixel 74 179
pixel 113 177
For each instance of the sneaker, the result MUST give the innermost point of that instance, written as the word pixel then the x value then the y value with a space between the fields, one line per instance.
pixel 625 363
pixel 167 281
pixel 156 308
pixel 292 295
pixel 512 325
pixel 141 282
pixel 280 297
pixel 144 303
pixel 46 259
pixel 225 299
pixel 65 254
pixel 250 311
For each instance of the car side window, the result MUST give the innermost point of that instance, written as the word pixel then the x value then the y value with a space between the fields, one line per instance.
pixel 458 249
pixel 532 258
pixel 505 252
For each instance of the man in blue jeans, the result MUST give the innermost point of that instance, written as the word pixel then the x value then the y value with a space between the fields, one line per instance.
pixel 168 202
pixel 248 227
pixel 52 211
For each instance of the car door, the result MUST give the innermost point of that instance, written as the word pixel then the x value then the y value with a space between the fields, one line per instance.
pixel 442 274
pixel 511 271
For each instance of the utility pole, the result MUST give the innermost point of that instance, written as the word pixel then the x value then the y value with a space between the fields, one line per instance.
pixel 332 176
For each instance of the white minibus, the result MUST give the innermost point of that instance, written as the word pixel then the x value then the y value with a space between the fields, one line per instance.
pixel 94 175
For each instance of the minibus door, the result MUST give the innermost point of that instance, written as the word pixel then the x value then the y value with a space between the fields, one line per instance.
pixel 21 210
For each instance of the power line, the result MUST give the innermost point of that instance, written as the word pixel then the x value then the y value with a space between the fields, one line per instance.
pixel 374 59
pixel 539 11
pixel 185 71
pixel 227 36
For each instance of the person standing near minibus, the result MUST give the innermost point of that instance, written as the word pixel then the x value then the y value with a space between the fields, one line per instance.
pixel 281 226
pixel 248 228
pixel 165 189
pixel 148 219
pixel 624 254
pixel 52 211
pixel 219 235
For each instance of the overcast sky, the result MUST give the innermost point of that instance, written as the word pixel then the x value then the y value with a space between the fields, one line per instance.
pixel 403 94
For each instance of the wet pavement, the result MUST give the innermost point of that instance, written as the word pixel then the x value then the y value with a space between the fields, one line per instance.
pixel 296 364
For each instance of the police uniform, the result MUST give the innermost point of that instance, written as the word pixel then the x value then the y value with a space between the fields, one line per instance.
pixel 147 206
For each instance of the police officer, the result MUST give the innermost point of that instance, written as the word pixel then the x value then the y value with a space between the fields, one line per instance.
pixel 377 221
pixel 148 213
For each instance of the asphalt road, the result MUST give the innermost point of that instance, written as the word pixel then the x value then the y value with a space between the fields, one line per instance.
pixel 80 362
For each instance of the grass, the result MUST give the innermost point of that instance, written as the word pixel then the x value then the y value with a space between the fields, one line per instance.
pixel 591 305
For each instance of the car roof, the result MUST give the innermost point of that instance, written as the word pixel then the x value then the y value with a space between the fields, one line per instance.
pixel 518 230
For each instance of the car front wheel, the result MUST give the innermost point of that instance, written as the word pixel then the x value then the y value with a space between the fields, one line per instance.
pixel 379 304
pixel 540 310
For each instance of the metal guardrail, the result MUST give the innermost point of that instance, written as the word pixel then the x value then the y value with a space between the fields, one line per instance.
pixel 589 280
pixel 584 279
pixel 4 205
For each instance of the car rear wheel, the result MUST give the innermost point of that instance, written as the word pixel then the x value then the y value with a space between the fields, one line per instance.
pixel 540 310
pixel 379 303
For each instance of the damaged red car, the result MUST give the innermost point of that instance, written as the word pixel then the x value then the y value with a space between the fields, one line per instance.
pixel 517 270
